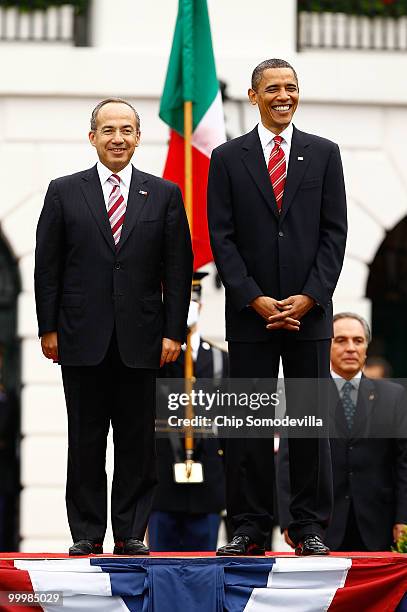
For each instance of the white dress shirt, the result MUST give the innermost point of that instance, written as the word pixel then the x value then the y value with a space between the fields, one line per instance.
pixel 267 142
pixel 125 179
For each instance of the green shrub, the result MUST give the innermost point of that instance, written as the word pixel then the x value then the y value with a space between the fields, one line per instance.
pixel 370 8
pixel 401 544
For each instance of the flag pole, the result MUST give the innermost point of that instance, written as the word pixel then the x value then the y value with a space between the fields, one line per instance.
pixel 188 161
pixel 189 364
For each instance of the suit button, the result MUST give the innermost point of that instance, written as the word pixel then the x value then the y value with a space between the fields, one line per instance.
pixel 281 234
pixel 346 496
pixel 350 447
pixel 117 266
pixel 350 473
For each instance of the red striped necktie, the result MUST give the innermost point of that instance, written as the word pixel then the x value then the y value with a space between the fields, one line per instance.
pixel 116 208
pixel 277 168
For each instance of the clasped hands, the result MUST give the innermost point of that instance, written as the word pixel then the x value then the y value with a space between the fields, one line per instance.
pixel 283 314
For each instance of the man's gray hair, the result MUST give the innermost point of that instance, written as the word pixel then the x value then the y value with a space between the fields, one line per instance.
pixel 362 321
pixel 269 63
pixel 94 116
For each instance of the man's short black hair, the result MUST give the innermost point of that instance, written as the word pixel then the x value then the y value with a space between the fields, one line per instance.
pixel 94 116
pixel 269 63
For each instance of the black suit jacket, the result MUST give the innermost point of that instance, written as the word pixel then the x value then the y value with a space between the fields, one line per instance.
pixel 261 252
pixel 85 286
pixel 369 470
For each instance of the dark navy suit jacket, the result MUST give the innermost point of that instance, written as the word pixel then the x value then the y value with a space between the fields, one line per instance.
pixel 259 251
pixel 85 286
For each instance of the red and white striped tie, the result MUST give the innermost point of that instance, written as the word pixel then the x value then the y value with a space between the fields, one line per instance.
pixel 116 208
pixel 277 168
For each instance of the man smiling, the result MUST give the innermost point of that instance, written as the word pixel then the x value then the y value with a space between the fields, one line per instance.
pixel 277 218
pixel 112 283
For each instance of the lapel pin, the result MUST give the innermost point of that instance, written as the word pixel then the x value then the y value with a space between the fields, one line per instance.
pixel 142 192
pixel 371 396
pixel 300 158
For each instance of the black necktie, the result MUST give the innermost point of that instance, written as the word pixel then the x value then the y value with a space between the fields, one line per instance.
pixel 348 404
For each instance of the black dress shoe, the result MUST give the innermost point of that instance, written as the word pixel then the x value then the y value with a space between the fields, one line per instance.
pixel 130 547
pixel 86 547
pixel 311 545
pixel 240 545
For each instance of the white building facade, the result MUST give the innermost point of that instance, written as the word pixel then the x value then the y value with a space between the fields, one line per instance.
pixel 47 91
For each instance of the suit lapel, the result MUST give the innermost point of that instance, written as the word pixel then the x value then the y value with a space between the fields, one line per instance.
pixel 364 407
pixel 137 198
pixel 300 156
pixel 253 158
pixel 92 190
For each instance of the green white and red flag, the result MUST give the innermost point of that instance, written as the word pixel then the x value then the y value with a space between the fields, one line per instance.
pixel 191 76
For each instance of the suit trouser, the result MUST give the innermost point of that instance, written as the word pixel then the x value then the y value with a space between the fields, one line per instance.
pixel 352 539
pixel 96 396
pixel 250 461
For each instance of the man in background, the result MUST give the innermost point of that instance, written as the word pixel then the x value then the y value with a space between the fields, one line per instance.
pixel 377 367
pixel 369 470
pixel 186 517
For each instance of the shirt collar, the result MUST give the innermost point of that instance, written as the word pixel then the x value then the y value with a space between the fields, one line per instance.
pixel 339 381
pixel 266 136
pixel 105 174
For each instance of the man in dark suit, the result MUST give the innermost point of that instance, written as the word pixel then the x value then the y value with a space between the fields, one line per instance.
pixel 369 470
pixel 112 282
pixel 277 218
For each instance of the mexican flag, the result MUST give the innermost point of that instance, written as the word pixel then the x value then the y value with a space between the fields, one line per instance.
pixel 191 76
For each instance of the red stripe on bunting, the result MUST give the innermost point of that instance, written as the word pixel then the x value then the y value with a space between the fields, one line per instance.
pixel 373 585
pixel 12 579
